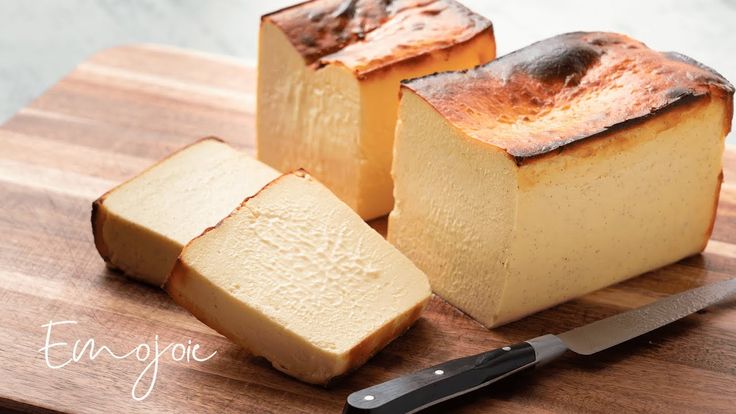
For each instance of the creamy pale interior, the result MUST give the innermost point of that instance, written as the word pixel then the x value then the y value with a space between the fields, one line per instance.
pixel 144 223
pixel 296 276
pixel 501 241
pixel 335 124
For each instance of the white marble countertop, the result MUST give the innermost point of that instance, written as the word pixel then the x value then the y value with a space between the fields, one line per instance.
pixel 42 40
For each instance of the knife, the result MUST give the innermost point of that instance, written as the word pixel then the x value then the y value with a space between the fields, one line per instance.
pixel 450 379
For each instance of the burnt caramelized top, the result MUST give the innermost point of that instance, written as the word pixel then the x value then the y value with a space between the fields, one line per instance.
pixel 564 89
pixel 366 35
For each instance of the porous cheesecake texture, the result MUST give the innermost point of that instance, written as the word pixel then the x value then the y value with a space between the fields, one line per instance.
pixel 328 83
pixel 567 166
pixel 141 226
pixel 295 276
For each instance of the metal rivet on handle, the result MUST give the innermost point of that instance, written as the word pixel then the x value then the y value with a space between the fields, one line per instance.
pixel 439 372
pixel 506 348
pixel 369 398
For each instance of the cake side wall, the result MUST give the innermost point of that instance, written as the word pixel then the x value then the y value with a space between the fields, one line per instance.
pixel 139 252
pixel 455 208
pixel 305 118
pixel 605 211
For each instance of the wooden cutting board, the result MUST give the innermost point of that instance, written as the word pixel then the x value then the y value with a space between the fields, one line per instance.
pixel 126 107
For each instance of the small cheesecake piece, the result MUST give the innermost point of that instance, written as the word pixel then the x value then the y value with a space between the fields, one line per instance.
pixel 569 165
pixel 141 225
pixel 328 85
pixel 295 276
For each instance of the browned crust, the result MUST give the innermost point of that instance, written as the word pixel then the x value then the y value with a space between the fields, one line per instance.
pixel 564 71
pixel 682 105
pixel 98 216
pixel 320 28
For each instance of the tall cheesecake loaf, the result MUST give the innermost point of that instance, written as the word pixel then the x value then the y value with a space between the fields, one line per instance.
pixel 295 276
pixel 328 84
pixel 564 167
pixel 141 225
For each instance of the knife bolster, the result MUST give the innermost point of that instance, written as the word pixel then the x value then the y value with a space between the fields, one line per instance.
pixel 547 348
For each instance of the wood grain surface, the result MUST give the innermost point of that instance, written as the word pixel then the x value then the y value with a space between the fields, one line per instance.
pixel 128 106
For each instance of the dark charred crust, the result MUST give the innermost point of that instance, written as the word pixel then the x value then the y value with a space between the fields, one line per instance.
pixel 679 102
pixel 547 60
pixel 98 222
pixel 420 58
pixel 320 28
pixel 715 78
pixel 563 59
pixel 346 10
pixel 677 92
pixel 563 75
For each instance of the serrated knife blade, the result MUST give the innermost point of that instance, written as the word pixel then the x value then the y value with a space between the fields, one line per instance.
pixel 450 379
pixel 605 333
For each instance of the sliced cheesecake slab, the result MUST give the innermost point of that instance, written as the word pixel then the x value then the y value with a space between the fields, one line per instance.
pixel 141 225
pixel 295 276
pixel 564 167
pixel 328 85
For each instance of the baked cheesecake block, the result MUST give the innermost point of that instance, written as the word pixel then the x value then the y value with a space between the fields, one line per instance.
pixel 295 276
pixel 328 85
pixel 556 170
pixel 141 225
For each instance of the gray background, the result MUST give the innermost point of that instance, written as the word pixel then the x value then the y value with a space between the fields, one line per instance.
pixel 41 40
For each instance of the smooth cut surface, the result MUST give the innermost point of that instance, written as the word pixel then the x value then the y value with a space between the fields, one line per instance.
pixel 296 276
pixel 141 226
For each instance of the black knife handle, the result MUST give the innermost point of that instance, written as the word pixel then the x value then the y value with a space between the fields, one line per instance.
pixel 441 382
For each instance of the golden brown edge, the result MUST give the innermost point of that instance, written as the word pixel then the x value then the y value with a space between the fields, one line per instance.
pixel 98 216
pixel 378 340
